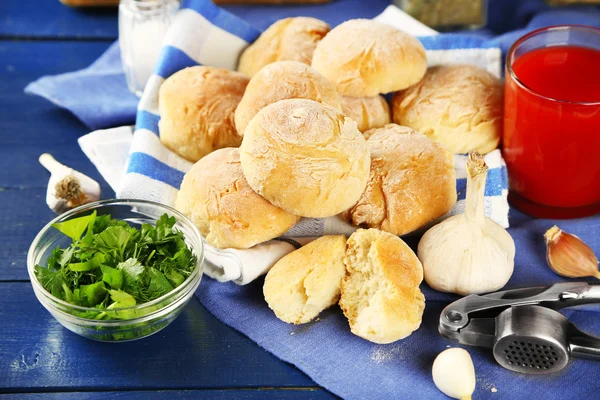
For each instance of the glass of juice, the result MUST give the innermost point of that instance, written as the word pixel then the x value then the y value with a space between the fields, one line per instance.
pixel 551 140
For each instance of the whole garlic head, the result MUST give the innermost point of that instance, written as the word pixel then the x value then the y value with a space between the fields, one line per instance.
pixel 468 253
pixel 454 374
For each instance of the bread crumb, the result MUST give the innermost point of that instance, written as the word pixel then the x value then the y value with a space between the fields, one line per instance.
pixel 291 333
pixel 493 390
pixel 448 346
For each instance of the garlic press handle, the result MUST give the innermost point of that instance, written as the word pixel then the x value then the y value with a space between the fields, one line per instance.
pixel 582 345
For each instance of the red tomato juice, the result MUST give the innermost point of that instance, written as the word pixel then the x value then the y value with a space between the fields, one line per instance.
pixel 551 140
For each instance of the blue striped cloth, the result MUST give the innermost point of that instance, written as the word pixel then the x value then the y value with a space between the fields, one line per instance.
pixel 204 34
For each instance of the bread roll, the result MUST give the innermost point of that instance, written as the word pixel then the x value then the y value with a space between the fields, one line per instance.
pixel 412 181
pixel 196 110
pixel 279 81
pixel 365 58
pixel 380 293
pixel 368 112
pixel 306 281
pixel 228 213
pixel 305 157
pixel 291 39
pixel 458 105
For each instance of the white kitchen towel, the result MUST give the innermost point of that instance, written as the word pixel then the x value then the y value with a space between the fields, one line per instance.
pixel 204 34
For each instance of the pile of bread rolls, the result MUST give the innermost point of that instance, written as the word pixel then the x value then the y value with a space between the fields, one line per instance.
pixel 302 130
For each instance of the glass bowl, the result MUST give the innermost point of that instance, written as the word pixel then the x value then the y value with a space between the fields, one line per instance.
pixel 129 323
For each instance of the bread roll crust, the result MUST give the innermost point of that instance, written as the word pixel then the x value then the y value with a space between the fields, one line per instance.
pixel 305 157
pixel 411 183
pixel 283 80
pixel 291 39
pixel 380 294
pixel 365 58
pixel 197 106
pixel 458 105
pixel 306 281
pixel 228 213
pixel 368 112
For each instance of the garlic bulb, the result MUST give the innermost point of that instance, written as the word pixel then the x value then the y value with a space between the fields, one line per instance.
pixel 454 374
pixel 468 253
pixel 67 188
pixel 569 256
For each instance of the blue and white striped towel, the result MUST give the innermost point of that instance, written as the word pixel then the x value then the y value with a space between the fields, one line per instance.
pixel 204 34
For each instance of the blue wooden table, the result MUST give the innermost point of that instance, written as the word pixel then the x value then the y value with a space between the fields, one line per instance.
pixel 196 356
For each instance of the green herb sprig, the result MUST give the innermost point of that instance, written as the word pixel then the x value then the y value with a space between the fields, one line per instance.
pixel 111 265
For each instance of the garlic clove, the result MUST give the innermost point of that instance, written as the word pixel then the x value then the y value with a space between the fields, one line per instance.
pixel 454 374
pixel 67 188
pixel 569 256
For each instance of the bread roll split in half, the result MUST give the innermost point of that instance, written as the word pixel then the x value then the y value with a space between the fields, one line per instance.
pixel 228 213
pixel 306 281
pixel 412 181
pixel 365 58
pixel 197 106
pixel 458 105
pixel 305 157
pixel 283 80
pixel 368 112
pixel 380 293
pixel 291 39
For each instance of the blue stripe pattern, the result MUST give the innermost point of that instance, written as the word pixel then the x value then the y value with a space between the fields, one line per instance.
pixel 144 164
pixel 496 181
pixel 222 19
pixel 173 60
pixel 147 120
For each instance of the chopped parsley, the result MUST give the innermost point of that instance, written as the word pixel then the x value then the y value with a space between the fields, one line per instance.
pixel 111 265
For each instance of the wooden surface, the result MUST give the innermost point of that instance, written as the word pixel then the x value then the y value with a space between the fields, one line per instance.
pixel 196 356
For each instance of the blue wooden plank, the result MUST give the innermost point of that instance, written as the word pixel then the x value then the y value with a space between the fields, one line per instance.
pixel 50 18
pixel 248 394
pixel 195 352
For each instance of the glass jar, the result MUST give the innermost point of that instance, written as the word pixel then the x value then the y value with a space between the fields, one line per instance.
pixel 446 14
pixel 142 28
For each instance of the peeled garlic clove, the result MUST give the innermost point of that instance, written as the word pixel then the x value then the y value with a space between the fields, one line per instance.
pixel 454 374
pixel 569 256
pixel 67 188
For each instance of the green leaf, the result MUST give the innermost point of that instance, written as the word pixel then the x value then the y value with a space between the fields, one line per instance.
pixel 90 265
pixel 132 270
pixel 112 276
pixel 175 277
pixel 75 227
pixel 114 238
pixel 50 280
pixel 94 293
pixel 159 285
pixel 122 298
pixel 66 256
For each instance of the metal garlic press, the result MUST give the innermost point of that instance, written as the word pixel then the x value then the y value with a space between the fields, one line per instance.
pixel 522 326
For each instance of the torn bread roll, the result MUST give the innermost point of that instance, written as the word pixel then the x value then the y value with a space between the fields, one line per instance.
pixel 306 281
pixel 305 157
pixel 292 39
pixel 458 105
pixel 380 294
pixel 368 112
pixel 412 181
pixel 363 57
pixel 215 195
pixel 197 106
pixel 283 80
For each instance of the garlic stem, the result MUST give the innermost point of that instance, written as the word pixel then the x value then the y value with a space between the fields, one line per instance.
pixel 477 173
pixel 51 164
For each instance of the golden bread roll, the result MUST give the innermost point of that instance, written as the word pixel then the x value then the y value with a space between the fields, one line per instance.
pixel 305 157
pixel 458 105
pixel 292 39
pixel 283 80
pixel 368 112
pixel 412 181
pixel 196 106
pixel 365 58
pixel 306 281
pixel 215 195
pixel 380 293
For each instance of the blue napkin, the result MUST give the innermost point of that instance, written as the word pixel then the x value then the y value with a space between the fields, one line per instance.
pixel 99 97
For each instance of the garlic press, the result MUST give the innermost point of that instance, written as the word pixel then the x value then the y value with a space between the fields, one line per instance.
pixel 523 327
